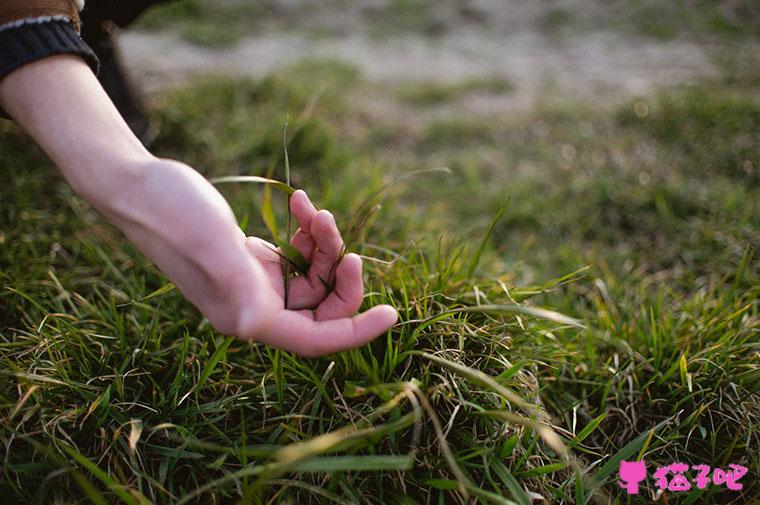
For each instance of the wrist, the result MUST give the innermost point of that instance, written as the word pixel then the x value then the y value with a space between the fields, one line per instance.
pixel 113 187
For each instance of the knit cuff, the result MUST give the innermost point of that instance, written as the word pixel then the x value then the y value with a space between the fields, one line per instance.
pixel 29 42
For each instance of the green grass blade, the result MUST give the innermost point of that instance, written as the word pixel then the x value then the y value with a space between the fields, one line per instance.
pixel 488 495
pixel 543 469
pixel 286 275
pixel 587 430
pixel 255 179
pixel 95 496
pixel 601 476
pixel 292 255
pixel 580 495
pixel 444 484
pixel 481 247
pixel 133 497
pixel 213 361
pixel 268 215
pixel 354 463
pixel 484 380
pixel 541 313
pixel 518 493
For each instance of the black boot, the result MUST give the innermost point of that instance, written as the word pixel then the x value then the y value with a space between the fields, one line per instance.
pixel 98 20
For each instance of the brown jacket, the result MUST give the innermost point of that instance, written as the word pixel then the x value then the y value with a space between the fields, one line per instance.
pixel 18 11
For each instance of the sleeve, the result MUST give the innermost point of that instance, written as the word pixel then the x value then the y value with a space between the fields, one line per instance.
pixel 34 29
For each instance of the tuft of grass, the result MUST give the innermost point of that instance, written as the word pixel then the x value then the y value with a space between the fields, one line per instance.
pixel 209 24
pixel 555 20
pixel 435 93
pixel 719 130
pixel 405 16
pixel 230 124
pixel 700 19
pixel 609 312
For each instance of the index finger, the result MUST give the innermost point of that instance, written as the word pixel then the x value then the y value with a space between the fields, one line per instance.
pixel 302 208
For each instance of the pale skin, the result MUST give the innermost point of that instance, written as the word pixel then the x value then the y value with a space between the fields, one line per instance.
pixel 185 226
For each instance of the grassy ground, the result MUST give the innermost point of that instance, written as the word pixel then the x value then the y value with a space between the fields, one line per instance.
pixel 641 221
pixel 219 23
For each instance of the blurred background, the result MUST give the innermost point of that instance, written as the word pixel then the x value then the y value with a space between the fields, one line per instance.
pixel 624 137
pixel 581 49
pixel 623 132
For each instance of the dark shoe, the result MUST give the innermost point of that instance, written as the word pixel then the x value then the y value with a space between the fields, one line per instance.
pixel 117 82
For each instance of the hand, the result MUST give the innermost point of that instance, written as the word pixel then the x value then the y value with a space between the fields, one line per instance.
pixel 317 321
pixel 184 225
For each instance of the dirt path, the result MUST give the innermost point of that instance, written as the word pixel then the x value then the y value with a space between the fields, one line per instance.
pixel 591 65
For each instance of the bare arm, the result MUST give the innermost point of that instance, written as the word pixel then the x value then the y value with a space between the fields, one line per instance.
pixel 178 219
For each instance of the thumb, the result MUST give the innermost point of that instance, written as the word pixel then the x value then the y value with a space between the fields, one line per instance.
pixel 298 332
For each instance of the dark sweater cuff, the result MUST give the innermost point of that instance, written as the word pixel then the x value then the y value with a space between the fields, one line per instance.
pixel 33 41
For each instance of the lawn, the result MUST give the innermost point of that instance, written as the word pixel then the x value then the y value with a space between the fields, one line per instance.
pixel 577 284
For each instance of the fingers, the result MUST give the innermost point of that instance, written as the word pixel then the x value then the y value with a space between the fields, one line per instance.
pixel 302 208
pixel 309 290
pixel 319 242
pixel 304 211
pixel 304 244
pixel 299 333
pixel 329 246
pixel 347 296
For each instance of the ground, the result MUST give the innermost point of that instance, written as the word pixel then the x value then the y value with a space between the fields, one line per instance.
pixel 561 198
pixel 580 54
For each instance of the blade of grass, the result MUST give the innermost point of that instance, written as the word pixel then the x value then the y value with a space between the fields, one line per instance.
pixel 95 496
pixel 501 470
pixel 543 469
pixel 626 452
pixel 212 362
pixel 133 497
pixel 511 308
pixel 256 179
pixel 544 430
pixel 367 208
pixel 484 380
pixel 488 495
pixel 354 463
pixel 587 430
pixel 287 211
pixel 268 215
pixel 481 247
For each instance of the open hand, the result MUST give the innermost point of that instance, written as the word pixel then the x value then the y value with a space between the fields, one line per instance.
pixel 318 319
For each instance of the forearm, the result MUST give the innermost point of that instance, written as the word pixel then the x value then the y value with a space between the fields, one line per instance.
pixel 168 210
pixel 186 227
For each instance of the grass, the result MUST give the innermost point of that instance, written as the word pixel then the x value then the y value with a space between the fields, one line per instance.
pixel 641 222
pixel 398 17
pixel 218 24
pixel 210 24
pixel 554 20
pixel 436 93
pixel 700 19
